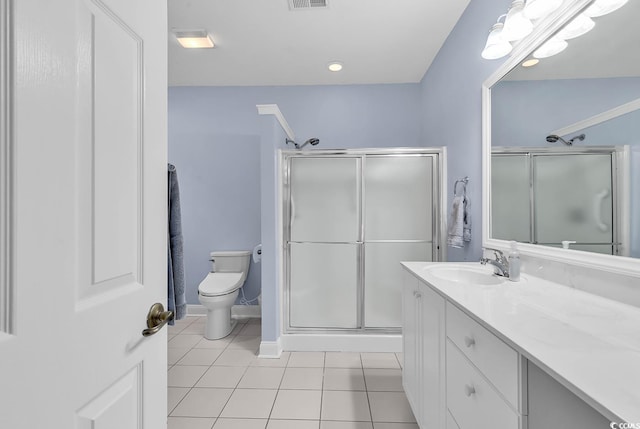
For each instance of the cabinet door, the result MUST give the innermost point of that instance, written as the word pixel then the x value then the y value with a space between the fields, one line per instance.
pixel 423 347
pixel 410 375
pixel 432 332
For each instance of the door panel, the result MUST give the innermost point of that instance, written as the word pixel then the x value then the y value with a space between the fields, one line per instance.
pixel 510 198
pixel 89 112
pixel 116 110
pixel 325 202
pixel 573 198
pixel 324 285
pixel 383 280
pixel 399 198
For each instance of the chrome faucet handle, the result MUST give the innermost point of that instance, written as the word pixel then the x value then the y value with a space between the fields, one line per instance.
pixel 497 253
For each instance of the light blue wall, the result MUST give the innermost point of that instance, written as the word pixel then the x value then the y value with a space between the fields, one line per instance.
pixel 452 109
pixel 220 204
pixel 525 112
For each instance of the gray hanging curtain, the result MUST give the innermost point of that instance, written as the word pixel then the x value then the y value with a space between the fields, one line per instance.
pixel 176 301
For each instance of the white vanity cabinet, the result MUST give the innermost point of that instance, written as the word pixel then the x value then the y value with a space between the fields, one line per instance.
pixel 456 373
pixel 424 352
pixel 485 378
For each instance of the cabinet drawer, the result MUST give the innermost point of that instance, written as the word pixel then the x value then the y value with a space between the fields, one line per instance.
pixel 472 401
pixel 495 359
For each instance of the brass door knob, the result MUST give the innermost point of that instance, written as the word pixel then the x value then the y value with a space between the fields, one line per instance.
pixel 156 319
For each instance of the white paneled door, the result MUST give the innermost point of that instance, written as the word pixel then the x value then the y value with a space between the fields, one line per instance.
pixel 83 213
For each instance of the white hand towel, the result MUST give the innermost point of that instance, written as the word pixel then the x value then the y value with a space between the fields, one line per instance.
pixel 456 223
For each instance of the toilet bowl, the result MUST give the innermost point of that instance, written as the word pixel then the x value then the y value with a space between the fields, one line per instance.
pixel 219 290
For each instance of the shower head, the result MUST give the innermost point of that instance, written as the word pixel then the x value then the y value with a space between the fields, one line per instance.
pixel 553 138
pixel 312 141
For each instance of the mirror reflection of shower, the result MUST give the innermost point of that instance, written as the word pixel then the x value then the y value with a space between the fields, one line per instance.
pixel 554 139
pixel 312 141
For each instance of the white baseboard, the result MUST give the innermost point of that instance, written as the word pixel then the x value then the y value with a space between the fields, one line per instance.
pixel 196 310
pixel 270 349
pixel 341 343
pixel 246 312
pixel 237 311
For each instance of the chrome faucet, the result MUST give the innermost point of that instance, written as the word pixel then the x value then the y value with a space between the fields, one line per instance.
pixel 501 263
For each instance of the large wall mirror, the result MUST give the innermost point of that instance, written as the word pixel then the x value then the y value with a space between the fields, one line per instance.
pixel 562 144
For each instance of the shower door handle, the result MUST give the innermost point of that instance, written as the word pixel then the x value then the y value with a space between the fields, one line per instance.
pixel 597 210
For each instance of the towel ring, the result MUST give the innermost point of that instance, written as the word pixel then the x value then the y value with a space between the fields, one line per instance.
pixel 464 182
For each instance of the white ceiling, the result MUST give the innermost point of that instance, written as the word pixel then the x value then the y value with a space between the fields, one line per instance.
pixel 262 42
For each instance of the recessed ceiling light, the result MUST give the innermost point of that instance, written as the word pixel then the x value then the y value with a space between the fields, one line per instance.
pixel 530 63
pixel 335 66
pixel 194 39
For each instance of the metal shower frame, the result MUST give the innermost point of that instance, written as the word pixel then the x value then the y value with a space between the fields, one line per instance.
pixel 438 225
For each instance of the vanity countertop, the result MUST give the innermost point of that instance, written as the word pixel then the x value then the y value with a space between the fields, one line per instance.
pixel 589 344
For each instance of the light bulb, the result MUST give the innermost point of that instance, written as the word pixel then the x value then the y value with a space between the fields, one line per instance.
pixel 551 47
pixel 516 26
pixel 496 46
pixel 603 7
pixel 535 9
pixel 580 25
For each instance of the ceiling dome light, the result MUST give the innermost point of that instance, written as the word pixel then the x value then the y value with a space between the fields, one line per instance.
pixel 535 9
pixel 551 47
pixel 335 66
pixel 496 46
pixel 603 7
pixel 530 62
pixel 194 39
pixel 580 25
pixel 516 26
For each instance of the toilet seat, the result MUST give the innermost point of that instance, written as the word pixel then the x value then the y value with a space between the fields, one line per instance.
pixel 217 284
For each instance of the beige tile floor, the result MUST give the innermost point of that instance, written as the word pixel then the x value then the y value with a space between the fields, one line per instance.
pixel 223 385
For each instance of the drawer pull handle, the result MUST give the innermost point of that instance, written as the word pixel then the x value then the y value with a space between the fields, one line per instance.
pixel 469 390
pixel 469 342
pixel 417 294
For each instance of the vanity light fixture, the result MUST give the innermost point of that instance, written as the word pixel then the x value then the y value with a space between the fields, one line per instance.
pixel 580 25
pixel 516 25
pixel 519 23
pixel 193 39
pixel 535 9
pixel 551 47
pixel 530 62
pixel 603 7
pixel 335 66
pixel 496 46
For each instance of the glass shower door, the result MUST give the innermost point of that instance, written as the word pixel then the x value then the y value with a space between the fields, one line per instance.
pixel 398 225
pixel 573 201
pixel 511 197
pixel 325 242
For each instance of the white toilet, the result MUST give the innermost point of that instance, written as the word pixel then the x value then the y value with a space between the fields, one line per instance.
pixel 219 290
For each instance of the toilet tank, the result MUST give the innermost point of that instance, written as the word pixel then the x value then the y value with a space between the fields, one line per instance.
pixel 231 261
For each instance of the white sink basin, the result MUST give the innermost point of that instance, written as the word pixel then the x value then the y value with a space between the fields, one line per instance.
pixel 466 273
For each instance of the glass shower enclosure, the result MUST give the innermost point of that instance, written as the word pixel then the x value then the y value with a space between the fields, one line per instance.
pixel 350 218
pixel 545 197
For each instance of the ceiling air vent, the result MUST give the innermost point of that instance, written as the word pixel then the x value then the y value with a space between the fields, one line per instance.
pixel 306 4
